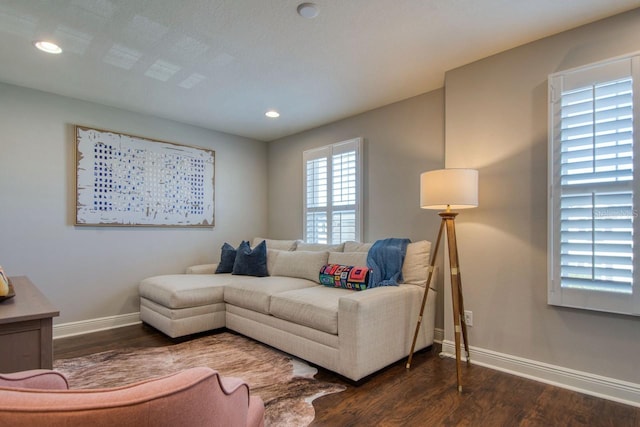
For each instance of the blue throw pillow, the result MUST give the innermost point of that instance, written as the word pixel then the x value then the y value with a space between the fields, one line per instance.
pixel 251 262
pixel 227 258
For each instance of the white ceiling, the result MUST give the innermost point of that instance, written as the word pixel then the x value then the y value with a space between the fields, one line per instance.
pixel 221 64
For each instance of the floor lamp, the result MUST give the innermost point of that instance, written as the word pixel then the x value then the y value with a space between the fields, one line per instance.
pixel 447 189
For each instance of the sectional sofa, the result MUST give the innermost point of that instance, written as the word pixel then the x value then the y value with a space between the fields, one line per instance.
pixel 353 333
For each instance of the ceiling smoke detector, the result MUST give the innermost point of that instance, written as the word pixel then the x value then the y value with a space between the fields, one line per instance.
pixel 307 10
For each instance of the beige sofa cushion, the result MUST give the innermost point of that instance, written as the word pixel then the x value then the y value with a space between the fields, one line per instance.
pixel 302 246
pixel 352 246
pixel 254 293
pixel 348 258
pixel 301 264
pixel 185 290
pixel 283 245
pixel 415 268
pixel 272 255
pixel 315 307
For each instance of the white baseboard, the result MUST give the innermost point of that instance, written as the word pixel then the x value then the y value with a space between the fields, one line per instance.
pixel 70 329
pixel 438 335
pixel 583 382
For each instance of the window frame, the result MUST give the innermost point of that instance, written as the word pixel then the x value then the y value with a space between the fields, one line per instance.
pixel 327 152
pixel 598 300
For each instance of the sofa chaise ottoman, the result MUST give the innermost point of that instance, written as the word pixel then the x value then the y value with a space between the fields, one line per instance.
pixel 348 332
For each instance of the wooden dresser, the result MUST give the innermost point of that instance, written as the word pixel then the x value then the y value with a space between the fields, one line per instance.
pixel 26 329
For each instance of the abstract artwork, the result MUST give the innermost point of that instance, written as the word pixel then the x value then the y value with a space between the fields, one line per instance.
pixel 125 180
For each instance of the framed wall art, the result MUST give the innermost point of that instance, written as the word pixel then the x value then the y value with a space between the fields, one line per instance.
pixel 126 180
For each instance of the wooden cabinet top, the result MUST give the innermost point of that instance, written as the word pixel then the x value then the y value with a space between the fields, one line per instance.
pixel 28 304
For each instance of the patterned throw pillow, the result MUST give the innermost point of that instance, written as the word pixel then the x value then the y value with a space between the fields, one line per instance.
pixel 345 276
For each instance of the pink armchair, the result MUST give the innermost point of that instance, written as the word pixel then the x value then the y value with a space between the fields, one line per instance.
pixel 193 397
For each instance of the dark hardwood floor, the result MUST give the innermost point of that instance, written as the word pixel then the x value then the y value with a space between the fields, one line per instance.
pixel 425 395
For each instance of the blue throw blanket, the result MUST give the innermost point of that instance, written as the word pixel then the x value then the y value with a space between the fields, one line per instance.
pixel 385 260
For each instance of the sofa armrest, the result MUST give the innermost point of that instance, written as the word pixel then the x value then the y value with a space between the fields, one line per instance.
pixel 202 269
pixel 376 326
pixel 43 379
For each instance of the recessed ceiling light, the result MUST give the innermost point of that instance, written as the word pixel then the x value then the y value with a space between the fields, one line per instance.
pixel 48 47
pixel 272 114
pixel 307 10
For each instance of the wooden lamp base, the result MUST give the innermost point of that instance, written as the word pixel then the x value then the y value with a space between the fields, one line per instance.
pixel 460 327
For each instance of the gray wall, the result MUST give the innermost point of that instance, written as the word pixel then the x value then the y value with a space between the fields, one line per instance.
pixel 93 272
pixel 496 121
pixel 401 140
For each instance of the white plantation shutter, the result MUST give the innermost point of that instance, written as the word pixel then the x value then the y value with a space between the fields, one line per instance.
pixel 317 196
pixel 593 175
pixel 332 192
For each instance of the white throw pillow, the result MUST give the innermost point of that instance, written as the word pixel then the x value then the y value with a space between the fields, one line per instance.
pixel 358 259
pixel 415 268
pixel 301 264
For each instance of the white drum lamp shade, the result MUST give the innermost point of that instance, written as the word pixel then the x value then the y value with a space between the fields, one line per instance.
pixel 449 189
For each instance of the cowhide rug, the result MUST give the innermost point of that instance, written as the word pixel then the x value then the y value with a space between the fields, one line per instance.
pixel 284 383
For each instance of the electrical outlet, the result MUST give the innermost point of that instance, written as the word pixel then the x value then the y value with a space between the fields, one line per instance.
pixel 468 317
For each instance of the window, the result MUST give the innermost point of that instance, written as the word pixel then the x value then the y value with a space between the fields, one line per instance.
pixel 332 192
pixel 593 182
